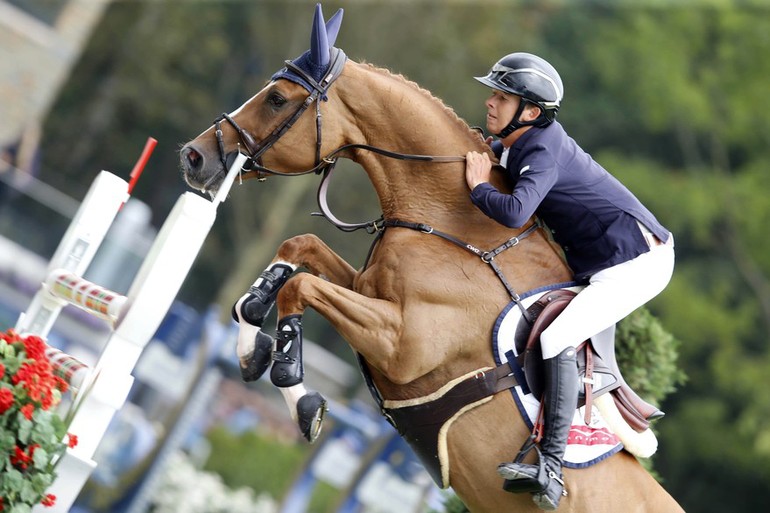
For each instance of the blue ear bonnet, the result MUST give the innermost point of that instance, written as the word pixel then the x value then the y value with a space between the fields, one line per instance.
pixel 306 64
pixel 315 62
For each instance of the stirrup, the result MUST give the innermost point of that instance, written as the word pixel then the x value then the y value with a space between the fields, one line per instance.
pixel 518 471
pixel 518 480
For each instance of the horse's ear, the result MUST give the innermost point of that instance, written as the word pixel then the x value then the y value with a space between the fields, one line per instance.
pixel 319 42
pixel 333 27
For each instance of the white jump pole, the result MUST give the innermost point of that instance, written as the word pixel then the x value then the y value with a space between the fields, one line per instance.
pixel 77 248
pixel 134 317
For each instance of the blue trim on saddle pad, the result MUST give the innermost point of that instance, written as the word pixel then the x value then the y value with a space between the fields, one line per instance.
pixel 522 297
pixel 528 299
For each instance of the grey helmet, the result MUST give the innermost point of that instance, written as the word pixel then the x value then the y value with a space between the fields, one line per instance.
pixel 534 80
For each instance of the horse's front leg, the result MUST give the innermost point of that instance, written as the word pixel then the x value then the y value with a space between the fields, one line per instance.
pixel 256 349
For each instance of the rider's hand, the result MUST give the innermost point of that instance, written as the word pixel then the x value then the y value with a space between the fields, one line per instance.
pixel 478 167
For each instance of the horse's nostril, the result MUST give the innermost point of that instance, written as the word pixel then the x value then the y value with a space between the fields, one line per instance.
pixel 191 158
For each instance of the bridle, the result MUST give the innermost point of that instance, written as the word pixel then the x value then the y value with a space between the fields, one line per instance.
pixel 255 150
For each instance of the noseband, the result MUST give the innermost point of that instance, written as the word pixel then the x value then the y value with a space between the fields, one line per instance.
pixel 255 149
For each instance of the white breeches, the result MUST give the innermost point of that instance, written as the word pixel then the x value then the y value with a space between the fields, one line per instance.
pixel 610 296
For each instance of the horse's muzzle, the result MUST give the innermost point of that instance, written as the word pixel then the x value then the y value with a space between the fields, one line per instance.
pixel 195 167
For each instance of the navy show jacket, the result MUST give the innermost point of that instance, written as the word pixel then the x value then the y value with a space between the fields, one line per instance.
pixel 591 214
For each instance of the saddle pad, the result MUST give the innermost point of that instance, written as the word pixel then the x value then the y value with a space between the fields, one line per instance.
pixel 587 444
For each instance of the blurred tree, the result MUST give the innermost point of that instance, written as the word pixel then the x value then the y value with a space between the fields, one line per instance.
pixel 688 81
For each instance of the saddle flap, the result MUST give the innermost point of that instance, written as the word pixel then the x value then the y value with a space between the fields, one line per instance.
pixel 550 305
pixel 603 375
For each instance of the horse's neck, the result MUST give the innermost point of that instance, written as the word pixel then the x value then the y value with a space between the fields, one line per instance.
pixel 408 120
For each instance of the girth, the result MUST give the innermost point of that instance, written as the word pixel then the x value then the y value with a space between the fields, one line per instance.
pixel 424 422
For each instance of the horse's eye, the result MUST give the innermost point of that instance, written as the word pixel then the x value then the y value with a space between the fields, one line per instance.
pixel 276 100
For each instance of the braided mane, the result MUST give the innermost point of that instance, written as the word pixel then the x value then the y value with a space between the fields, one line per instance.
pixel 461 123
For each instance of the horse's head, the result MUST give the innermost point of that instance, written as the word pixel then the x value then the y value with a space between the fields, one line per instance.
pixel 272 128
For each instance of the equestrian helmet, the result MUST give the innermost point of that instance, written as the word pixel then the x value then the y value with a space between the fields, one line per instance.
pixel 530 77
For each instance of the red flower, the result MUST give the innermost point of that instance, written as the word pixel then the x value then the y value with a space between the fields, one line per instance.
pixel 2 373
pixel 49 500
pixel 62 385
pixel 35 348
pixel 20 459
pixel 39 382
pixel 28 410
pixel 6 399
pixel 73 440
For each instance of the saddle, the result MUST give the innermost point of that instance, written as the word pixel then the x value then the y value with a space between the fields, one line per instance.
pixel 598 368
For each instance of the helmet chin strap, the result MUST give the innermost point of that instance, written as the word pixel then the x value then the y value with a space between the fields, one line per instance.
pixel 515 123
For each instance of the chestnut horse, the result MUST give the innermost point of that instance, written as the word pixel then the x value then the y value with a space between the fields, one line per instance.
pixel 421 312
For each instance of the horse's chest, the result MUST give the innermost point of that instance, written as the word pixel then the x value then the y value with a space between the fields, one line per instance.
pixel 419 276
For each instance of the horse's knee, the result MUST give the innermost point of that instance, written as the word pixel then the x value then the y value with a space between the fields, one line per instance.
pixel 290 298
pixel 298 247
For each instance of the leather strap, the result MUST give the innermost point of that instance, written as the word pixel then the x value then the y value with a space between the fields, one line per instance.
pixel 588 381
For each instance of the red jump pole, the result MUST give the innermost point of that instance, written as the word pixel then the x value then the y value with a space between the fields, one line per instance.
pixel 139 166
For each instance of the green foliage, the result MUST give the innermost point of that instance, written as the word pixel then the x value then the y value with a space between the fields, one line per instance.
pixel 324 498
pixel 264 464
pixel 452 504
pixel 647 355
pixel 251 459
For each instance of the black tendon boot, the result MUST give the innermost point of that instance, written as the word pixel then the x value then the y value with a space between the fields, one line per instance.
pixel 259 300
pixel 287 368
pixel 544 478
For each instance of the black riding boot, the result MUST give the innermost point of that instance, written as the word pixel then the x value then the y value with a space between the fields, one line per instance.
pixel 544 478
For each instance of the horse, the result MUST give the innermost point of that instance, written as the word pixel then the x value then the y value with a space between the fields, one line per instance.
pixel 420 312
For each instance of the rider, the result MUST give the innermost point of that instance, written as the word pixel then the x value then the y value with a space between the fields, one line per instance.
pixel 613 244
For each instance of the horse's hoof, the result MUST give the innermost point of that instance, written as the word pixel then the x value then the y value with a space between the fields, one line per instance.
pixel 311 409
pixel 259 360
